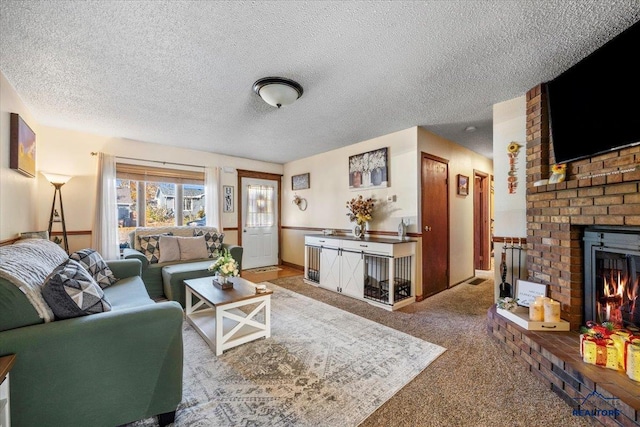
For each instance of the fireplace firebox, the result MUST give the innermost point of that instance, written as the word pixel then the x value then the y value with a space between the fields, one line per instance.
pixel 612 276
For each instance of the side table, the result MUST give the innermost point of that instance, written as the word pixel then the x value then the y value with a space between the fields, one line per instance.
pixel 6 363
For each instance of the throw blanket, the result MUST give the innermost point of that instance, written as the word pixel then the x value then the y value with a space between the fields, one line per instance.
pixel 26 264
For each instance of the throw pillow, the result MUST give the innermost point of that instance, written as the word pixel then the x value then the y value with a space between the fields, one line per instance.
pixel 214 241
pixel 150 246
pixel 70 291
pixel 192 248
pixel 93 262
pixel 169 249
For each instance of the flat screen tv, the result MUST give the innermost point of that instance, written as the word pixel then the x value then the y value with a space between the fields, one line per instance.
pixel 594 106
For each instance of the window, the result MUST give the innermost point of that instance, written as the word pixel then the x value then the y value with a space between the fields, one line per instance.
pixel 260 212
pixel 152 197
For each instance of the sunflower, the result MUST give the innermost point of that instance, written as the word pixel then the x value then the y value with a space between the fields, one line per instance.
pixel 513 147
pixel 559 168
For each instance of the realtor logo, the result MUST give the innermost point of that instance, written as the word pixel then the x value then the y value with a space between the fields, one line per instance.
pixel 596 412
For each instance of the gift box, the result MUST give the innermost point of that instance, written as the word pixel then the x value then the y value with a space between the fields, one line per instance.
pixel 632 358
pixel 599 351
pixel 620 339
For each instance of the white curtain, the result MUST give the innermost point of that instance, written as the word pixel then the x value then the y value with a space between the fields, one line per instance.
pixel 213 197
pixel 104 237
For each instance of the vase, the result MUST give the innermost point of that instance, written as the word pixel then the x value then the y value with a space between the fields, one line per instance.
pixel 359 230
pixel 376 177
pixel 222 282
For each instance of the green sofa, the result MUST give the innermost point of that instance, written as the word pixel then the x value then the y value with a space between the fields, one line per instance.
pixel 103 369
pixel 168 283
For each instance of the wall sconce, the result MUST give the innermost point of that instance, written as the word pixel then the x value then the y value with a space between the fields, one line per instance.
pixel 300 202
pixel 58 181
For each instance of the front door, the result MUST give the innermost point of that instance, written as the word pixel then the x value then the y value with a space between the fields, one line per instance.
pixel 435 224
pixel 259 222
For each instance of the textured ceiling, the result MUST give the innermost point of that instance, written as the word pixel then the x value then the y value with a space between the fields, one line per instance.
pixel 181 73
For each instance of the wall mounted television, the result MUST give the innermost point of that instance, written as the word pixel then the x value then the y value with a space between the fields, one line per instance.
pixel 594 106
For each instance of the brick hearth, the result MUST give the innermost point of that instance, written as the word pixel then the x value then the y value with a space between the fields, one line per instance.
pixel 554 358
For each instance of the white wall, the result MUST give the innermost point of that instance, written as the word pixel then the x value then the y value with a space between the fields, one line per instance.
pixel 329 192
pixel 17 191
pixel 509 125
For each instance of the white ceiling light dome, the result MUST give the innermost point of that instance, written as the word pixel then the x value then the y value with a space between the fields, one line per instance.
pixel 277 91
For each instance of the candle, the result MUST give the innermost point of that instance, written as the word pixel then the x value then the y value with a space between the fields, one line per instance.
pixel 536 311
pixel 551 311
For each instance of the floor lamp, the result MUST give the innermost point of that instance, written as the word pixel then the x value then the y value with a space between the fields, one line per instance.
pixel 58 181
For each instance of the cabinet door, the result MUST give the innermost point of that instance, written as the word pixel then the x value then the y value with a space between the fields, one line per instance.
pixel 329 269
pixel 352 274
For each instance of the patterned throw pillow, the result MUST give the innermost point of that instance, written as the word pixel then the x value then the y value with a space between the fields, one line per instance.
pixel 213 241
pixel 70 291
pixel 150 246
pixel 93 262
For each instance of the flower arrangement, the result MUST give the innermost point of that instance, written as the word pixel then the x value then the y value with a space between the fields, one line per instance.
pixel 360 209
pixel 225 265
pixel 508 303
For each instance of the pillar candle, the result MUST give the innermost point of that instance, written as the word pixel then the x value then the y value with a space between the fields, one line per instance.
pixel 551 311
pixel 536 311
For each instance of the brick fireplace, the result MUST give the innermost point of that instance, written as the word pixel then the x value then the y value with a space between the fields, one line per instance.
pixel 602 190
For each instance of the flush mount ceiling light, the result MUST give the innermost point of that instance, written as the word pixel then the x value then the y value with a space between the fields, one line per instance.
pixel 277 91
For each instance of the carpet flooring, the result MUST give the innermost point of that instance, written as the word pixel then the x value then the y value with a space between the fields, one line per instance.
pixel 473 383
pixel 320 367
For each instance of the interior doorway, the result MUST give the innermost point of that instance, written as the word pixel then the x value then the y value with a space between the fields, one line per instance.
pixel 259 218
pixel 481 221
pixel 435 224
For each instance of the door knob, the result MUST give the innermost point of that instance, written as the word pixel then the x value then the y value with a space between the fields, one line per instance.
pixel 427 228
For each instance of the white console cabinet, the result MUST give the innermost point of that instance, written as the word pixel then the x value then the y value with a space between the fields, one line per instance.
pixel 362 268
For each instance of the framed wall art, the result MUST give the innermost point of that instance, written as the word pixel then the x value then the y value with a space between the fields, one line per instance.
pixel 369 170
pixel 300 182
pixel 227 196
pixel 463 185
pixel 22 147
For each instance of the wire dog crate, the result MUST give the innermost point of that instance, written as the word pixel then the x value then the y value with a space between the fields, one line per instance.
pixel 313 266
pixel 376 282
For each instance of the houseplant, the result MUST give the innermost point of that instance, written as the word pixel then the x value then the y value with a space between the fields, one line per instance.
pixel 224 267
pixel 360 212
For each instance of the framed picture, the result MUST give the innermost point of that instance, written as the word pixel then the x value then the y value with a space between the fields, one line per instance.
pixel 463 185
pixel 227 195
pixel 369 170
pixel 300 182
pixel 22 143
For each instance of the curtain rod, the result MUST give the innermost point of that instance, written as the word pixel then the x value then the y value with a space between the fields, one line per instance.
pixel 94 153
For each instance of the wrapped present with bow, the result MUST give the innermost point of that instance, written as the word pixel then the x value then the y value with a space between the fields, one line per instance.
pixel 603 345
pixel 632 358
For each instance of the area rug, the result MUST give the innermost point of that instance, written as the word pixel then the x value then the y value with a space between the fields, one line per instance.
pixel 263 269
pixel 322 366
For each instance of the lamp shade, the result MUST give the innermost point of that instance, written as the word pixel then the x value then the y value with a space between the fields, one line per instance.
pixel 277 91
pixel 55 178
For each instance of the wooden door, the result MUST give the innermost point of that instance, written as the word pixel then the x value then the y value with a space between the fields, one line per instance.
pixel 435 224
pixel 481 238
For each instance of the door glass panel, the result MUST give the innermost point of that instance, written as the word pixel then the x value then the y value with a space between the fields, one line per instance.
pixel 260 212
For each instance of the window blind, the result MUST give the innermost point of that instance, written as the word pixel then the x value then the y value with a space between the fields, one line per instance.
pixel 157 174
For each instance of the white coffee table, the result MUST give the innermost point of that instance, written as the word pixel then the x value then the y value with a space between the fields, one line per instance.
pixel 217 317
